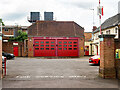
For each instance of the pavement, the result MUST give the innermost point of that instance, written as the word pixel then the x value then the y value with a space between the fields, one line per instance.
pixel 54 73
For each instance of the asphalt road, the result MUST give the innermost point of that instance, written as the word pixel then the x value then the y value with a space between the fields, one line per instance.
pixel 54 73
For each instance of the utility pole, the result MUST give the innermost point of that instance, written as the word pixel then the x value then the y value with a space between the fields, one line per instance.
pixel 93 23
pixel 100 13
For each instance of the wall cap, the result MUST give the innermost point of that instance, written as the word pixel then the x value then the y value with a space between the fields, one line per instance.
pixel 106 36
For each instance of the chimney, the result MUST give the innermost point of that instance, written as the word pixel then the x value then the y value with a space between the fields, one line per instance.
pixel 94 28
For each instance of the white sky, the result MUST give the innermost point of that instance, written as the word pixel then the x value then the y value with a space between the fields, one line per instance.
pixel 16 11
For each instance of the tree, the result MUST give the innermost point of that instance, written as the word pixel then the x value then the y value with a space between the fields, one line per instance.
pixel 21 36
pixel 2 22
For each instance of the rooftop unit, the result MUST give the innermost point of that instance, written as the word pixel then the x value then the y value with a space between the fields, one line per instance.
pixel 34 16
pixel 48 16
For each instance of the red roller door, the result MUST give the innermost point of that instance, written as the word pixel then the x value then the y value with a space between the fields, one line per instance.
pixel 67 47
pixel 50 47
pixel 44 48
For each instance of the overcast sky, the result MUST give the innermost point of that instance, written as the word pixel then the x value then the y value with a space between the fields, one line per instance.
pixel 16 11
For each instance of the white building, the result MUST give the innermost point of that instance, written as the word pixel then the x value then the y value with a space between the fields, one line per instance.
pixel 110 26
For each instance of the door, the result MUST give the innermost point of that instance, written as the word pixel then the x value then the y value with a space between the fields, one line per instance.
pixel 45 48
pixel 97 49
pixel 67 47
pixel 15 50
pixel 86 50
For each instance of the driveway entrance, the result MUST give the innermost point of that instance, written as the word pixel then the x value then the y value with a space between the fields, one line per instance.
pixel 54 73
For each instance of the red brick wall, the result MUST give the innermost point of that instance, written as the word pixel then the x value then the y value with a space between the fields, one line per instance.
pixel 30 47
pixel 88 36
pixel 8 47
pixel 81 47
pixel 9 32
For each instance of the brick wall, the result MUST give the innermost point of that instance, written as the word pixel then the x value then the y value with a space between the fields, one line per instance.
pixel 30 47
pixel 88 35
pixel 107 57
pixel 117 61
pixel 9 32
pixel 81 47
pixel 8 47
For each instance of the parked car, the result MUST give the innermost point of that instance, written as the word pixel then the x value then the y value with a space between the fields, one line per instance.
pixel 94 59
pixel 8 55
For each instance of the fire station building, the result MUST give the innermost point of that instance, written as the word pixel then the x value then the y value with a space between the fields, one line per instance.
pixel 55 38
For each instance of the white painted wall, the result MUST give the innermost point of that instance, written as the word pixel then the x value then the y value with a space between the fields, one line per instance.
pixel 97 40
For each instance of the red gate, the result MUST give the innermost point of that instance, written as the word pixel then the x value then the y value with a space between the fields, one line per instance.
pixel 44 47
pixel 53 47
pixel 67 47
pixel 15 50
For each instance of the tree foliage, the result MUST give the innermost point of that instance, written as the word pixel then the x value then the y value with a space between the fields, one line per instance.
pixel 21 36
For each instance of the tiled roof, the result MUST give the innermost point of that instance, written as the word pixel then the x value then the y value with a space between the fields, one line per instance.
pixel 14 26
pixel 110 22
pixel 56 28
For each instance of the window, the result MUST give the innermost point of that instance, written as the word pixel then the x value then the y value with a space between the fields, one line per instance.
pixel 6 29
pixel 65 42
pixel 70 42
pixel 36 42
pixel 60 45
pixel 60 48
pixel 52 48
pixel 60 42
pixel 65 45
pixel 52 45
pixel 41 48
pixel 42 45
pixel 52 42
pixel 47 48
pixel 65 48
pixel 116 29
pixel 75 45
pixel 102 33
pixel 108 32
pixel 37 45
pixel 36 48
pixel 75 48
pixel 47 42
pixel 70 48
pixel 47 45
pixel 41 42
pixel 70 45
pixel 75 42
